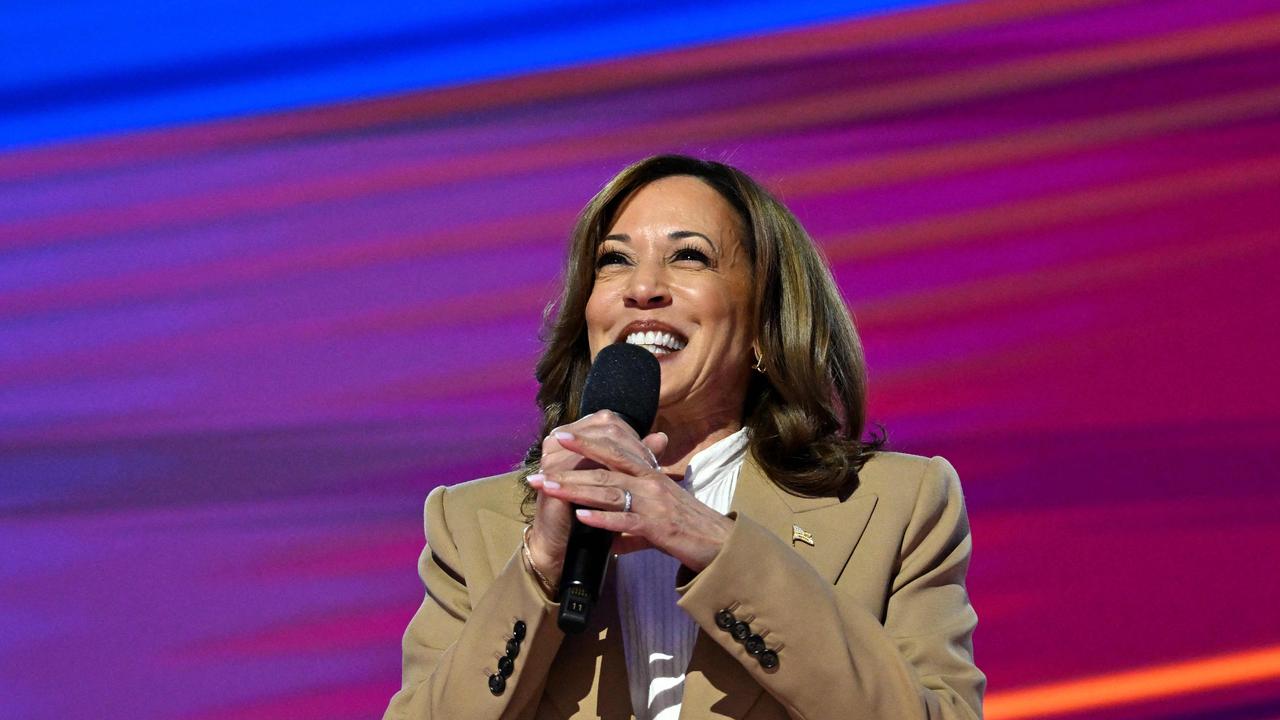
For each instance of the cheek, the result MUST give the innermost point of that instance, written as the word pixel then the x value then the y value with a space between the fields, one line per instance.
pixel 733 314
pixel 719 310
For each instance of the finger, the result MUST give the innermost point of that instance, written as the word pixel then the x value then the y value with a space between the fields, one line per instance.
pixel 657 444
pixel 549 443
pixel 606 429
pixel 597 477
pixel 555 457
pixel 626 455
pixel 603 418
pixel 551 518
pixel 604 423
pixel 586 487
pixel 619 522
pixel 551 515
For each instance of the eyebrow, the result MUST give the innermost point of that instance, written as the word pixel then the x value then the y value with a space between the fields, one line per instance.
pixel 676 235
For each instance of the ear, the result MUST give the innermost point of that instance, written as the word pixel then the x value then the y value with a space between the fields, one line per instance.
pixel 758 363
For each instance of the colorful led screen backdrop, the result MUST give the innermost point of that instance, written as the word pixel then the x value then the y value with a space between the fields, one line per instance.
pixel 269 275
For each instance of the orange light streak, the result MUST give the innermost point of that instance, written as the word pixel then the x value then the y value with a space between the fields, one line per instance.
pixel 1150 683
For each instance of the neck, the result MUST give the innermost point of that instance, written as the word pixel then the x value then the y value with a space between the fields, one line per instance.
pixel 691 434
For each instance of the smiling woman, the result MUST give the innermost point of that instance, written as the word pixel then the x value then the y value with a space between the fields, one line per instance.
pixel 731 248
pixel 772 563
pixel 674 266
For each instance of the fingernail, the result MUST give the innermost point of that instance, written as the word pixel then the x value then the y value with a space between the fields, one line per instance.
pixel 536 478
pixel 550 484
pixel 583 512
pixel 562 435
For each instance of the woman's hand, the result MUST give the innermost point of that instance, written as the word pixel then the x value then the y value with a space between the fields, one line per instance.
pixel 560 454
pixel 663 515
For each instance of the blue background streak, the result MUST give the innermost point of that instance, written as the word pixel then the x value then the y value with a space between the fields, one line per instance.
pixel 77 68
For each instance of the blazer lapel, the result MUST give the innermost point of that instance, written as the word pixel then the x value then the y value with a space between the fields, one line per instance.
pixel 831 528
pixel 715 679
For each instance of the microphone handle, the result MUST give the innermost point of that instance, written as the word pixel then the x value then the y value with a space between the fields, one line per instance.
pixel 586 558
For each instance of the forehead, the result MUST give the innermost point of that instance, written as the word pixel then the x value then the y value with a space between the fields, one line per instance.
pixel 677 202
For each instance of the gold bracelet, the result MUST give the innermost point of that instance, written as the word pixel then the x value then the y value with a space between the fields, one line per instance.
pixel 528 557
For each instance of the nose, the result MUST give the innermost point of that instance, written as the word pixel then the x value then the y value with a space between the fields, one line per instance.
pixel 647 286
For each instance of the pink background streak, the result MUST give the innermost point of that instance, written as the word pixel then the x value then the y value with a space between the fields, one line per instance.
pixel 235 356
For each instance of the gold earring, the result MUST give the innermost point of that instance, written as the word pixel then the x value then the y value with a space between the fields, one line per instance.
pixel 759 365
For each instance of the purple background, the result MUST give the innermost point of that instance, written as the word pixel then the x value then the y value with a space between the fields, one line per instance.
pixel 235 354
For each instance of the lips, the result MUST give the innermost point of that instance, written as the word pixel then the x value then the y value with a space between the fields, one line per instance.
pixel 656 337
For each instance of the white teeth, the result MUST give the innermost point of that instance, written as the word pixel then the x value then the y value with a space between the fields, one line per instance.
pixel 656 341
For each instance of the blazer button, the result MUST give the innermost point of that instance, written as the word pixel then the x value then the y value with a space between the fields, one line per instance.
pixel 754 644
pixel 518 630
pixel 725 619
pixel 740 631
pixel 513 648
pixel 506 666
pixel 768 659
pixel 497 684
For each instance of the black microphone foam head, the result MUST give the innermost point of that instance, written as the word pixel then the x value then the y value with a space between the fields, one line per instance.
pixel 625 379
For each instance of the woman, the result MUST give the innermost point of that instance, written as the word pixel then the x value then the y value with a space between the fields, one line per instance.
pixel 771 564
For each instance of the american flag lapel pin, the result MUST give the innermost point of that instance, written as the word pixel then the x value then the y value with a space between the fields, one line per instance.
pixel 804 536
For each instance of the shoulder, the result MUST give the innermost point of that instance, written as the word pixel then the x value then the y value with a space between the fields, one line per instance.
pixel 501 494
pixel 455 518
pixel 909 482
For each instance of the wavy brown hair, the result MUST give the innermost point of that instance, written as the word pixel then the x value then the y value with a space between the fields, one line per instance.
pixel 806 413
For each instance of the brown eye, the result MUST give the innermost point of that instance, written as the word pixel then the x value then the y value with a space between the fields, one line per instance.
pixel 610 258
pixel 693 254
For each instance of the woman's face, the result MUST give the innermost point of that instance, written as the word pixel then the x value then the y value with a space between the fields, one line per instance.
pixel 672 276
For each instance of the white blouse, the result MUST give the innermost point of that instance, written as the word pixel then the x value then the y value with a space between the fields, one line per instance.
pixel 658 636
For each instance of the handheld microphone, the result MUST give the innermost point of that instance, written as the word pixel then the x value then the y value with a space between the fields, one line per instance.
pixel 625 379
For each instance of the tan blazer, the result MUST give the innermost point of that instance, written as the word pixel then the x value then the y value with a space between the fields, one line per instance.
pixel 870 621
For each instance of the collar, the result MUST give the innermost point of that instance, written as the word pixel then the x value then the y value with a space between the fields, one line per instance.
pixel 710 463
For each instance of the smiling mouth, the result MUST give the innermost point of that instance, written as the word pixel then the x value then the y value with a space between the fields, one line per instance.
pixel 658 342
